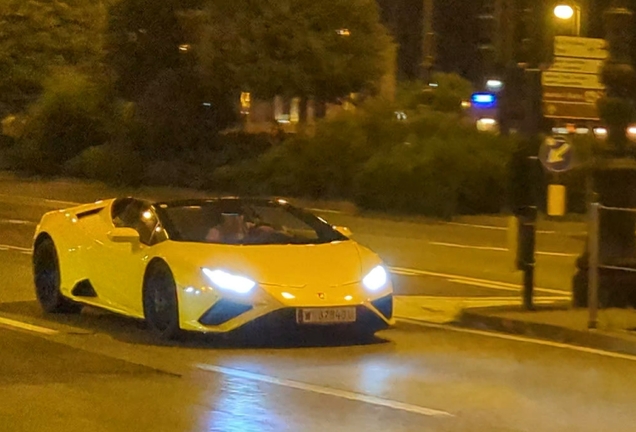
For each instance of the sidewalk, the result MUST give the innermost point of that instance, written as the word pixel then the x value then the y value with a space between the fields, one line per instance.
pixel 553 320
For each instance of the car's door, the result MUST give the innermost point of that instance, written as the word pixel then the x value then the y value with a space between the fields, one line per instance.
pixel 125 259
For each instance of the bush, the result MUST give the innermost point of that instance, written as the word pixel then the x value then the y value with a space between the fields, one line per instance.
pixel 433 163
pixel 439 176
pixel 115 164
pixel 73 114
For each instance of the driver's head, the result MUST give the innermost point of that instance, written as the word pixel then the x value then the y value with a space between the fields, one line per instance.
pixel 232 226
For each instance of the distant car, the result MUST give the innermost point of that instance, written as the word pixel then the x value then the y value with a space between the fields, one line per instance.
pixel 209 265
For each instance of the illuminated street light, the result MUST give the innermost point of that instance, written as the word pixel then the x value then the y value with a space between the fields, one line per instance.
pixel 494 84
pixel 564 12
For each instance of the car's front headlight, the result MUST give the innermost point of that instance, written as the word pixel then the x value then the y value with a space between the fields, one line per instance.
pixel 376 279
pixel 227 281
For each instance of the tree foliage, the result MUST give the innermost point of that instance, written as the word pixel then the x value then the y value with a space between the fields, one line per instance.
pixel 143 40
pixel 39 35
pixel 74 112
pixel 294 47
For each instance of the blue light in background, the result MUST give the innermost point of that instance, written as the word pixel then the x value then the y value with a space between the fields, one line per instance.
pixel 484 100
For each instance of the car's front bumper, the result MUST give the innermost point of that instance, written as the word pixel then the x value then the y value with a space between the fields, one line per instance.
pixel 227 316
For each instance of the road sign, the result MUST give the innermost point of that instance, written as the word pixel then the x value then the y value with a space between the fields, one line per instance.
pixel 570 79
pixel 572 85
pixel 568 110
pixel 557 154
pixel 588 48
pixel 577 65
pixel 572 95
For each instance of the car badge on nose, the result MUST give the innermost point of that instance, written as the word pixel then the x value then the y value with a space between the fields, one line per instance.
pixel 321 296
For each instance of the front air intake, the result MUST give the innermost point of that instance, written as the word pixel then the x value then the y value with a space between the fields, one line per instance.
pixel 223 311
pixel 384 305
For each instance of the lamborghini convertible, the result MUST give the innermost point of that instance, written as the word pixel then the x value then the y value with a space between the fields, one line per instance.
pixel 210 265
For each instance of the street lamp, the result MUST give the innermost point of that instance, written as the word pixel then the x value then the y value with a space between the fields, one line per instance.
pixel 569 17
pixel 564 12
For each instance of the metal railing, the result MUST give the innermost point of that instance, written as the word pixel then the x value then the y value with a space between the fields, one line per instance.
pixel 594 259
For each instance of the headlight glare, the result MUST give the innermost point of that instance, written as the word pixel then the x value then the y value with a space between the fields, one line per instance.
pixel 376 279
pixel 227 281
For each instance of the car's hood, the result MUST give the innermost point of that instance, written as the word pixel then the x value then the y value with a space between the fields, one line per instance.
pixel 332 264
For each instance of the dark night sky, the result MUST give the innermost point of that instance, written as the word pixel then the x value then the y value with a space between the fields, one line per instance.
pixel 456 26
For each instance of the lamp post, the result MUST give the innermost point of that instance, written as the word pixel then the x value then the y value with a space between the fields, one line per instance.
pixel 568 19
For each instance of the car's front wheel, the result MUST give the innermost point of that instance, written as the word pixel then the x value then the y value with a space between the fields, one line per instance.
pixel 46 273
pixel 161 308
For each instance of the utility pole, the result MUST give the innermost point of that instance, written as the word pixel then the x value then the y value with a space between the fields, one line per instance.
pixel 429 41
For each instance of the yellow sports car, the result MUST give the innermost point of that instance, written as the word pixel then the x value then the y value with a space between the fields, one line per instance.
pixel 210 265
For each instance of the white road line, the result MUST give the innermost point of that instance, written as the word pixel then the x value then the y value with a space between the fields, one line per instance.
pixel 24 326
pixel 16 222
pixel 499 249
pixel 414 272
pixel 460 246
pixel 513 288
pixel 491 227
pixel 523 339
pixel 485 299
pixel 10 198
pixel 64 203
pixel 558 254
pixel 325 211
pixel 14 248
pixel 400 406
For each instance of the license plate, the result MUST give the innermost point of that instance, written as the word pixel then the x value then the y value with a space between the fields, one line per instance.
pixel 326 315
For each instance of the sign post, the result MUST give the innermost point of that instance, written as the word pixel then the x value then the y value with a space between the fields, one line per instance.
pixel 572 85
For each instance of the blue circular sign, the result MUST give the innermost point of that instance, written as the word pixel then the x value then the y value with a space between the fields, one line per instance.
pixel 557 154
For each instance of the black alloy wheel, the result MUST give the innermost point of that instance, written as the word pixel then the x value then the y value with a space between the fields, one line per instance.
pixel 46 274
pixel 161 308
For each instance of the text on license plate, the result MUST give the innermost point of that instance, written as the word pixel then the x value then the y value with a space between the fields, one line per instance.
pixel 326 315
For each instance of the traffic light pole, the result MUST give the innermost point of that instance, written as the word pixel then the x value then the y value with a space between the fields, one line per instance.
pixel 531 131
pixel 528 217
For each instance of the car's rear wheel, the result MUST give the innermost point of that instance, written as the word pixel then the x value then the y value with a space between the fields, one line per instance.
pixel 161 308
pixel 46 273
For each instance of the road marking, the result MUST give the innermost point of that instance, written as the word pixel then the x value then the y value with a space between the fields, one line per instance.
pixel 358 397
pixel 558 254
pixel 491 227
pixel 24 326
pixel 64 203
pixel 31 199
pixel 484 299
pixel 465 279
pixel 325 211
pixel 523 339
pixel 460 246
pixel 499 249
pixel 16 222
pixel 502 287
pixel 4 247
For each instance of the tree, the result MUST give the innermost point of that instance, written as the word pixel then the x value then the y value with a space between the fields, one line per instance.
pixel 145 38
pixel 74 112
pixel 40 35
pixel 301 48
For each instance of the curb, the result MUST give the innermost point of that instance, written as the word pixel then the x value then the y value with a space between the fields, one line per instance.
pixel 596 339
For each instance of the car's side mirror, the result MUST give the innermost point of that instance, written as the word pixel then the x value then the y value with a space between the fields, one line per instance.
pixel 124 235
pixel 344 231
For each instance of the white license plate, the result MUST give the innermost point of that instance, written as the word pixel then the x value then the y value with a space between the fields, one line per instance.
pixel 326 315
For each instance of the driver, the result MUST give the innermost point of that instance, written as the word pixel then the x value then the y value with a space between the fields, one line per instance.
pixel 231 229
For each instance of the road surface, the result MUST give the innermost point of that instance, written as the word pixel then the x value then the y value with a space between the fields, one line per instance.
pixel 101 372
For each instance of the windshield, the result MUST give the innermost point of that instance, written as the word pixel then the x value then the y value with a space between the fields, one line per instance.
pixel 245 223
